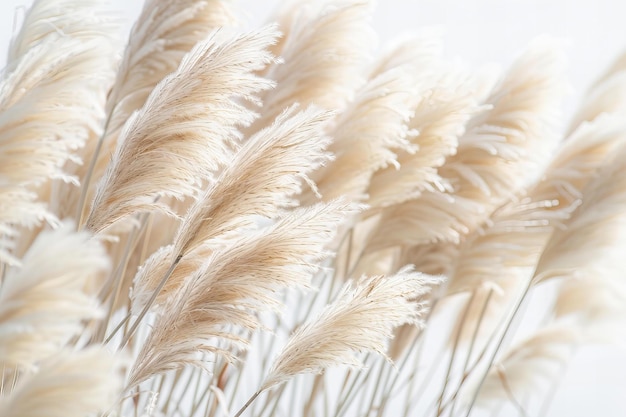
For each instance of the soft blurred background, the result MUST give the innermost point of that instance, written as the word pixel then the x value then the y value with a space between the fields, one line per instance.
pixel 479 32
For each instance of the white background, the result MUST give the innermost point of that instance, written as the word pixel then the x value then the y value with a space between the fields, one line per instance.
pixel 495 31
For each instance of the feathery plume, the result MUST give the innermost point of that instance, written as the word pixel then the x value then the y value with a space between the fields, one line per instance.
pixel 360 320
pixel 494 156
pixel 518 133
pixel 163 34
pixel 185 130
pixel 259 181
pixel 596 289
pixel 88 19
pixel 440 118
pixel 43 302
pixel 69 384
pixel 52 98
pixel 595 234
pixel 48 84
pixel 501 253
pixel 324 49
pixel 418 51
pixel 234 285
pixel 368 134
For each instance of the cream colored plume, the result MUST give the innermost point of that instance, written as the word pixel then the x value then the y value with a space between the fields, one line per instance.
pixel 418 51
pixel 69 384
pixel 52 98
pixel 368 134
pixel 234 285
pixel 311 74
pixel 518 134
pixel 48 84
pixel 185 131
pixel 260 181
pixel 504 251
pixel 79 19
pixel 594 237
pixel 360 320
pixel 495 155
pixel 163 34
pixel 261 178
pixel 444 101
pixel 440 117
pixel 43 303
pixel 595 288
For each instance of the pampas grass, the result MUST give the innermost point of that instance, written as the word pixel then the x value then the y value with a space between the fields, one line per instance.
pixel 47 297
pixel 162 139
pixel 69 383
pixel 291 221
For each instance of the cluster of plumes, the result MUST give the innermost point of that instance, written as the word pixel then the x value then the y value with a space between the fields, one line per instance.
pixel 210 174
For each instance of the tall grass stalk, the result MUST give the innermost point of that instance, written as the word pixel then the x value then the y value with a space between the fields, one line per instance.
pixel 293 221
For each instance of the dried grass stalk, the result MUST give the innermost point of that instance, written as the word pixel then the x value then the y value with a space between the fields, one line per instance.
pixel 51 100
pixel 360 320
pixel 525 226
pixel 237 282
pixel 258 183
pixel 89 19
pixel 43 303
pixel 164 33
pixel 312 75
pixel 368 134
pixel 500 147
pixel 504 251
pixel 440 117
pixel 260 180
pixel 185 130
pixel 69 384
pixel 595 235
